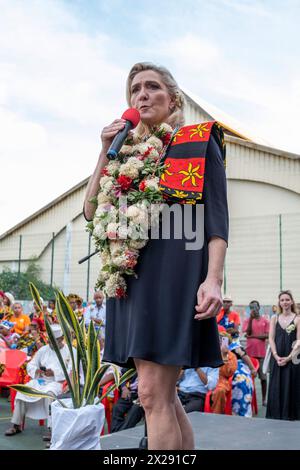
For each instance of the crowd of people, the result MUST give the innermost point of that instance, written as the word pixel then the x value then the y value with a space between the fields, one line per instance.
pixel 251 344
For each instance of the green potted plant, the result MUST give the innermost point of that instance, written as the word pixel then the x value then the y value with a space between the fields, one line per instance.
pixel 77 421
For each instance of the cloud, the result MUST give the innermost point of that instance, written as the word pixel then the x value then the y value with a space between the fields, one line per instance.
pixel 253 96
pixel 250 7
pixel 58 88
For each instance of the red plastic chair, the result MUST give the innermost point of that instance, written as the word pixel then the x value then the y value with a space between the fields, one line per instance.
pixel 254 406
pixel 13 360
pixel 108 403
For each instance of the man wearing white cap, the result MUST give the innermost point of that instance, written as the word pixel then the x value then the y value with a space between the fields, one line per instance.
pixel 47 376
pixel 229 319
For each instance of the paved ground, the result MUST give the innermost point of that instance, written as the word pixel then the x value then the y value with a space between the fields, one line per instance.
pixel 31 437
pixel 221 432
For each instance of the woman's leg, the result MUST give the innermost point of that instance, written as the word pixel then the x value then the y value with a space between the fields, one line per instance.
pixel 185 427
pixel 157 393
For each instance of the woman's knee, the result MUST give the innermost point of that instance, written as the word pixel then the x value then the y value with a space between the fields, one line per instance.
pixel 147 395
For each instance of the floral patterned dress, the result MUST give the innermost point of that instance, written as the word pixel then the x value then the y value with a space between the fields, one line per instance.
pixel 242 391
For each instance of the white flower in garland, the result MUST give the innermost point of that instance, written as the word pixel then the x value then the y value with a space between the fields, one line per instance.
pixel 165 128
pixel 103 198
pixel 126 150
pixel 129 170
pixel 112 230
pixel 114 284
pixel 137 244
pixel 152 183
pixel 106 184
pixel 105 210
pixel 135 163
pixel 105 257
pixel 99 231
pixel 155 143
pixel 116 247
pixel 112 167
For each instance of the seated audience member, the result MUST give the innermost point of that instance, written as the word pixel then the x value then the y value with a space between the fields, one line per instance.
pixel 20 320
pixel 2 305
pixel 47 376
pixel 37 316
pixel 8 301
pixel 52 315
pixel 193 386
pixel 242 384
pixel 73 300
pixel 127 412
pixel 223 388
pixel 80 308
pixel 7 337
pixel 32 340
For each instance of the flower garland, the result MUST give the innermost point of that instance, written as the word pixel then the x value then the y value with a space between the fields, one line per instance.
pixel 128 186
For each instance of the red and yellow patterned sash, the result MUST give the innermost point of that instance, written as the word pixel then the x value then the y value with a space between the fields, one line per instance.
pixel 183 178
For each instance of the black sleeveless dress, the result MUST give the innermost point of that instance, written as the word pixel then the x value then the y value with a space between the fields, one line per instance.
pixel 156 321
pixel 284 386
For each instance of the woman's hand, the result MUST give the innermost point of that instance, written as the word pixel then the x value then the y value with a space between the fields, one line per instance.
pixel 109 132
pixel 209 299
pixel 282 361
pixel 126 393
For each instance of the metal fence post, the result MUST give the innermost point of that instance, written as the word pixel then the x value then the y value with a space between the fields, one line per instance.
pixel 52 258
pixel 68 258
pixel 88 269
pixel 280 250
pixel 225 278
pixel 19 263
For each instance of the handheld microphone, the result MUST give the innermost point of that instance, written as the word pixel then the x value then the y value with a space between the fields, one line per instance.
pixel 132 118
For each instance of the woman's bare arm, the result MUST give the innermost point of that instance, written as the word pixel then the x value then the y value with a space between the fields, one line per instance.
pixel 272 337
pixel 209 296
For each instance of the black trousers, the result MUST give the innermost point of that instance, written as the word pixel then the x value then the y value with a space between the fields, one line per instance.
pixel 192 401
pixel 126 414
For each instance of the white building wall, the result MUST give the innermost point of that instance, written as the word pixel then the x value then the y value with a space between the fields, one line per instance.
pixel 252 198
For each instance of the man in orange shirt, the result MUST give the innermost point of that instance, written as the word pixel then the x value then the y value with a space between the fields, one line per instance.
pixel 20 320
pixel 228 318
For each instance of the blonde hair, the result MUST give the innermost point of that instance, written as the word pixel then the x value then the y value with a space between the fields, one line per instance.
pixel 293 307
pixel 176 117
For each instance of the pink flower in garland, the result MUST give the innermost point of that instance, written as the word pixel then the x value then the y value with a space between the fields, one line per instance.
pixel 125 182
pixel 131 259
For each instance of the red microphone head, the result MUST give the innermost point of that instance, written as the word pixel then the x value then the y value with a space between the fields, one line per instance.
pixel 133 116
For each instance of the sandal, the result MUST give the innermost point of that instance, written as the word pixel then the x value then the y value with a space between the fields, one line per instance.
pixel 12 431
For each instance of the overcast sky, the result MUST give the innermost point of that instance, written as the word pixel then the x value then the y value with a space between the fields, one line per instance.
pixel 63 66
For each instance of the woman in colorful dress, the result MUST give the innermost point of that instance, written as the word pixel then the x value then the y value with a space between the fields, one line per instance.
pixel 242 382
pixel 167 321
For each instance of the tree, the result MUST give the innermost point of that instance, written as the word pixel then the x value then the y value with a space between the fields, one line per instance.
pixel 18 283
